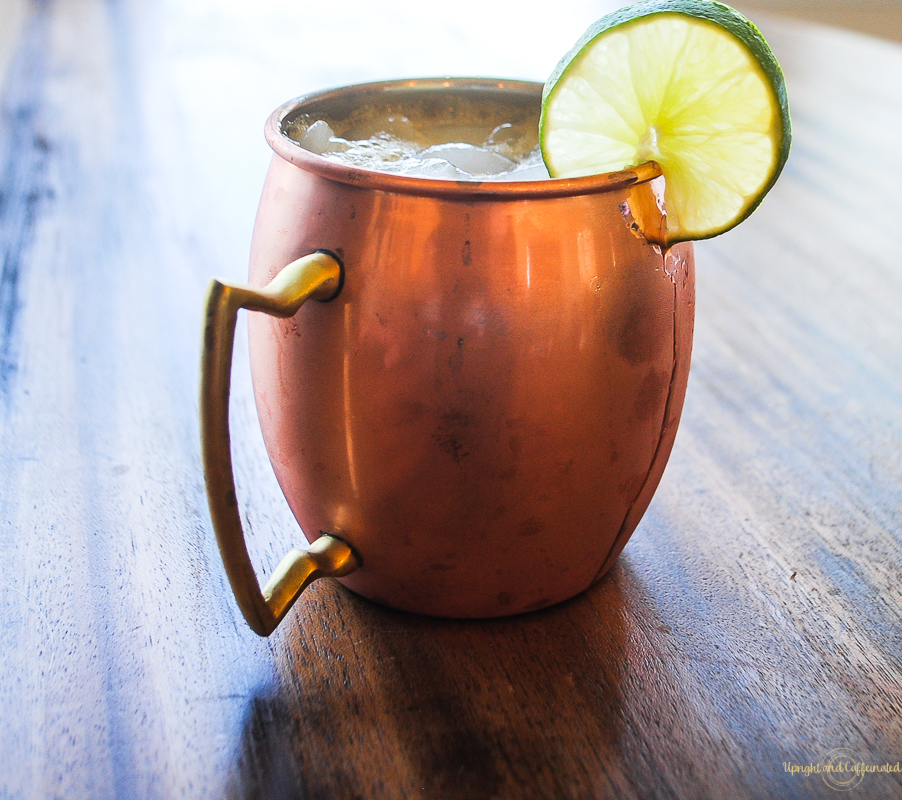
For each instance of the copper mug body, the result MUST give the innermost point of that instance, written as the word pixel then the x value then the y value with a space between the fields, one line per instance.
pixel 484 411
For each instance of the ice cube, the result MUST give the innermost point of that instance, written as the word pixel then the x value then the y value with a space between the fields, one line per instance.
pixel 476 161
pixel 316 137
pixel 434 168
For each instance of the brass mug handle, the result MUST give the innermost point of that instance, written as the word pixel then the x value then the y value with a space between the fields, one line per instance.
pixel 317 276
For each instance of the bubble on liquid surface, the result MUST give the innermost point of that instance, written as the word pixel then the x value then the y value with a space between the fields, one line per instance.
pixel 503 134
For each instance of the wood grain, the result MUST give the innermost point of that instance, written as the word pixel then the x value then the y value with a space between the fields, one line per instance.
pixel 754 619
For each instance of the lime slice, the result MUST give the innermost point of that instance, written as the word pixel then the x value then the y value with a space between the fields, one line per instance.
pixel 689 84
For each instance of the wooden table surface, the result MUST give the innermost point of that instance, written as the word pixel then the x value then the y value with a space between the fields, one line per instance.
pixel 753 623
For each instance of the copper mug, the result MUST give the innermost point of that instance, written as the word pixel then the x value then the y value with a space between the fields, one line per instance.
pixel 474 419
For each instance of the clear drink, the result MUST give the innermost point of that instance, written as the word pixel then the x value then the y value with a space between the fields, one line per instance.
pixel 450 148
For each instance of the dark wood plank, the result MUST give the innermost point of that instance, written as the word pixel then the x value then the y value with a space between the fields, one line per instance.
pixel 754 619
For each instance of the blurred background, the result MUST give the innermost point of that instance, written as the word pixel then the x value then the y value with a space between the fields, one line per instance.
pixel 876 17
pixel 219 67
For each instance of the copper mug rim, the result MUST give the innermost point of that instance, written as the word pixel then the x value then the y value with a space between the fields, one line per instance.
pixel 291 151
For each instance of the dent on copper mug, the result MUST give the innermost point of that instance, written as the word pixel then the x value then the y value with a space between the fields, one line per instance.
pixel 475 418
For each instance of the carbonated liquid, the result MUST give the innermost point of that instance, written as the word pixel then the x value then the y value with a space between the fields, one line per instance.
pixel 399 145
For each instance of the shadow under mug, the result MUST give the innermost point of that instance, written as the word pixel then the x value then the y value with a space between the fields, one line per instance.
pixel 475 419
